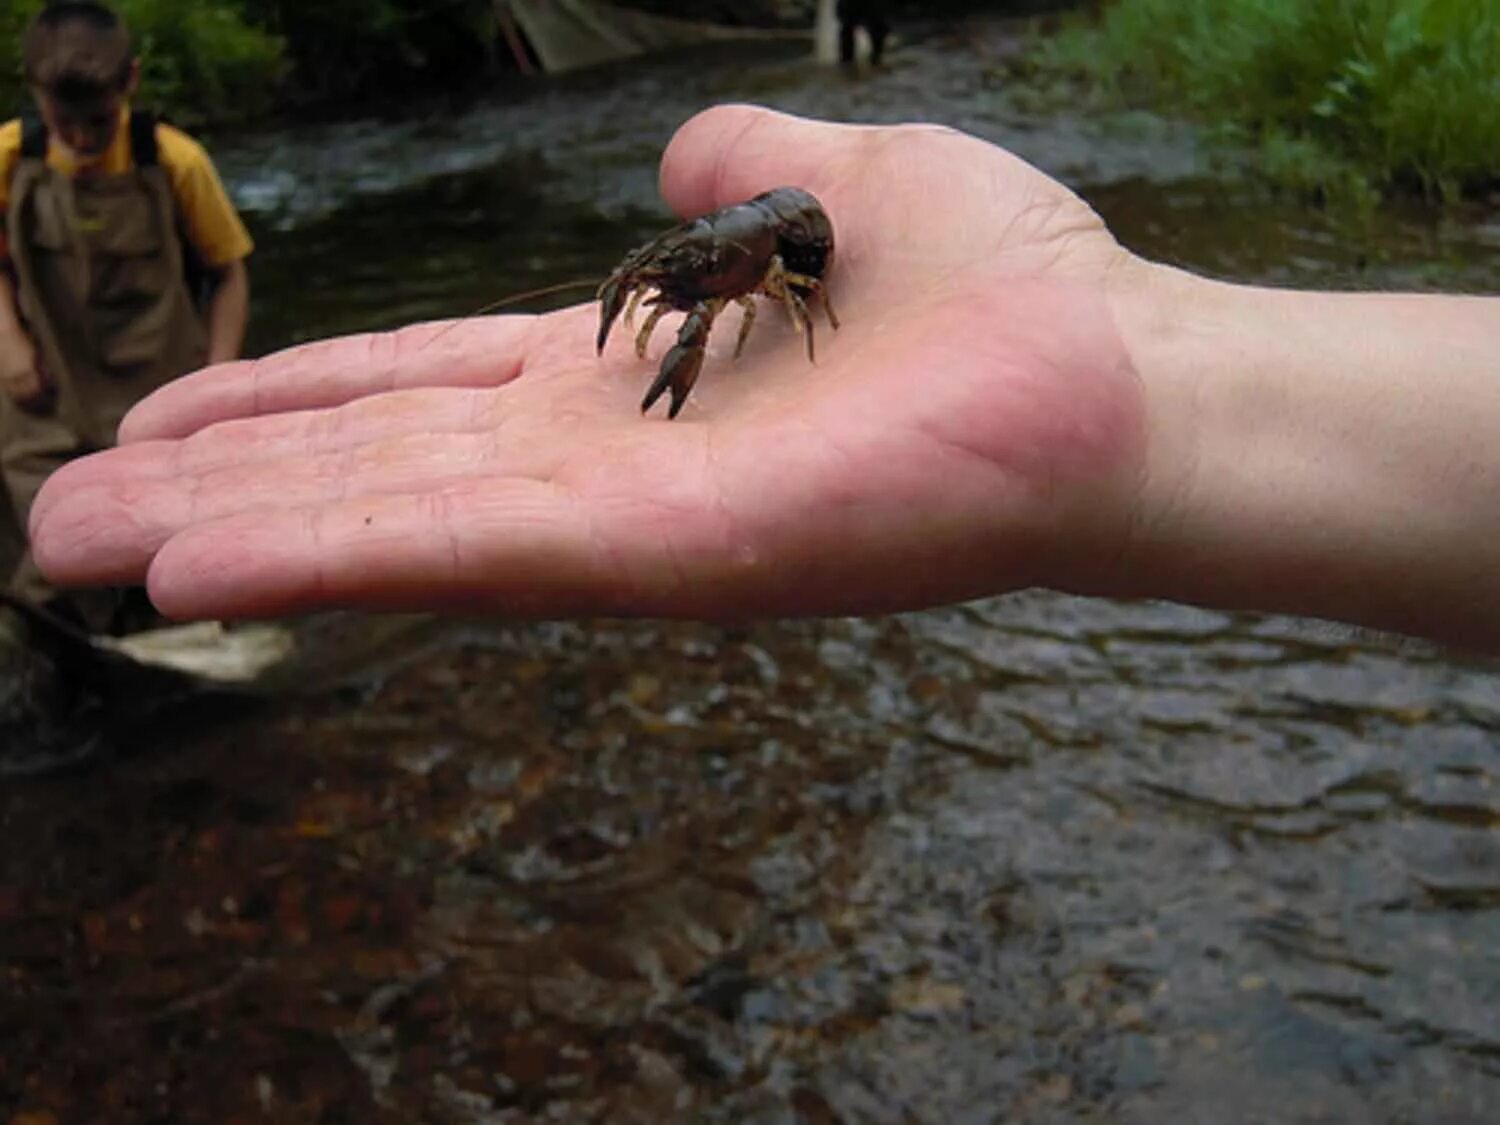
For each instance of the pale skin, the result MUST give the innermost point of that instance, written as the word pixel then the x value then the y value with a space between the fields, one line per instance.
pixel 21 376
pixel 85 130
pixel 1013 400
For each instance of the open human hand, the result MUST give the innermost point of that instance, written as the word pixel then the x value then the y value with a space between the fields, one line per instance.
pixel 974 425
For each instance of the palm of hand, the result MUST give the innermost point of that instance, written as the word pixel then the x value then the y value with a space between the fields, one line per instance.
pixel 971 426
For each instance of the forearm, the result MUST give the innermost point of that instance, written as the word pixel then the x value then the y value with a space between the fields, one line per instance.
pixel 228 313
pixel 22 379
pixel 12 331
pixel 1330 455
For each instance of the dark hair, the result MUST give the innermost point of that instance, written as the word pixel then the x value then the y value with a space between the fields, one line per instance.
pixel 76 49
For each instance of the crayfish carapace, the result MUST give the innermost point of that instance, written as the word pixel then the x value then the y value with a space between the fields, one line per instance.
pixel 779 244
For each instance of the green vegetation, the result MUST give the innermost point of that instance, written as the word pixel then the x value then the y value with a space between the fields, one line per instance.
pixel 202 60
pixel 199 59
pixel 342 51
pixel 223 60
pixel 1341 96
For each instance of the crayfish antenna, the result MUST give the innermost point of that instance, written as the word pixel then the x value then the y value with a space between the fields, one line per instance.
pixel 513 299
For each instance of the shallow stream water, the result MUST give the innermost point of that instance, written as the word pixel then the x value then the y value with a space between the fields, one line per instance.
pixel 1034 859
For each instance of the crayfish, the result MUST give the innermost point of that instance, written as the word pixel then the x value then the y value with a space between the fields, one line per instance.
pixel 779 245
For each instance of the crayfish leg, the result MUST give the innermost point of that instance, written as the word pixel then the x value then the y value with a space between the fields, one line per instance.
pixel 611 298
pixel 815 285
pixel 635 300
pixel 643 337
pixel 802 319
pixel 745 322
pixel 779 283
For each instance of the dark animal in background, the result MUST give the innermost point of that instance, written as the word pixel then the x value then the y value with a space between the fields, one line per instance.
pixel 870 15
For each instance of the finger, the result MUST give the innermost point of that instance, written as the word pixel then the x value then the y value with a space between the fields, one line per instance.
pixel 121 524
pixel 899 196
pixel 729 153
pixel 248 443
pixel 557 390
pixel 245 450
pixel 99 520
pixel 481 352
pixel 113 506
pixel 430 550
pixel 596 539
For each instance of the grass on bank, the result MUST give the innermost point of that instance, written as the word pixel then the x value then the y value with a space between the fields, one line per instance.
pixel 1362 97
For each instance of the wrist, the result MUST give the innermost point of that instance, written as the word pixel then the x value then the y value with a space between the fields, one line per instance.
pixel 1319 454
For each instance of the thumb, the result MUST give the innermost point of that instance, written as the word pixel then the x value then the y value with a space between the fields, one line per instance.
pixel 729 153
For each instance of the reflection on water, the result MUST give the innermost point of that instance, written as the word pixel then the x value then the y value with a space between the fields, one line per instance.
pixel 1030 859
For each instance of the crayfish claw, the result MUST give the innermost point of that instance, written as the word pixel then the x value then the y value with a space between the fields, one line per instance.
pixel 778 245
pixel 679 371
pixel 611 301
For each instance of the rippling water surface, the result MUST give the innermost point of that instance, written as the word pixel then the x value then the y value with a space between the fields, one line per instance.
pixel 1032 859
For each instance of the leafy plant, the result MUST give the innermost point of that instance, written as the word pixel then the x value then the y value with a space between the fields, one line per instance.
pixel 231 59
pixel 343 50
pixel 14 16
pixel 200 59
pixel 1401 94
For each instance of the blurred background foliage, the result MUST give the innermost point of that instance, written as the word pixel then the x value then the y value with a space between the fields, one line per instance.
pixel 1337 97
pixel 200 59
pixel 232 60
pixel 1364 97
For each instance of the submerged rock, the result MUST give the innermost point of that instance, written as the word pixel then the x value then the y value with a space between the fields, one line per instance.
pixel 66 696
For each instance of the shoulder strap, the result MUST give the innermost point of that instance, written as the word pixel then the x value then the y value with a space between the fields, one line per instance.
pixel 143 147
pixel 33 137
pixel 143 137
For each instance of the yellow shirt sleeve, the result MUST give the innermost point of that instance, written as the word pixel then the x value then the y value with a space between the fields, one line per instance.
pixel 208 217
pixel 10 156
